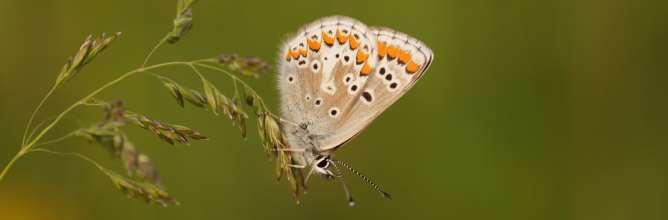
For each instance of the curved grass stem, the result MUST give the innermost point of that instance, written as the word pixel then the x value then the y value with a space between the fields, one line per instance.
pixel 94 93
pixel 30 143
pixel 155 48
pixel 11 162
pixel 34 112
pixel 78 155
pixel 56 140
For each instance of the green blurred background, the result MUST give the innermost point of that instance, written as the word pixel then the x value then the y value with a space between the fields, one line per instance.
pixel 531 110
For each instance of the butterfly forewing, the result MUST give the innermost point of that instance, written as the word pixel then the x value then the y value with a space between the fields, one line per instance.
pixel 337 75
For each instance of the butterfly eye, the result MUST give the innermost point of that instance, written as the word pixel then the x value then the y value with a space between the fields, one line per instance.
pixel 323 164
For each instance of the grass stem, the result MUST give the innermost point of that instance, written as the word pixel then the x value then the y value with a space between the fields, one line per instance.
pixel 11 163
pixel 26 147
pixel 155 48
pixel 34 112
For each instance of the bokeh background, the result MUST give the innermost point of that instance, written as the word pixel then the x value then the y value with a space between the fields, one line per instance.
pixel 531 110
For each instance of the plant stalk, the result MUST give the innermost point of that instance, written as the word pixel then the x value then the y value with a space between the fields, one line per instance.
pixel 155 48
pixel 34 112
pixel 25 148
pixel 11 163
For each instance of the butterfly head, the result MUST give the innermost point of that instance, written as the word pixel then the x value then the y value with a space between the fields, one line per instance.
pixel 322 165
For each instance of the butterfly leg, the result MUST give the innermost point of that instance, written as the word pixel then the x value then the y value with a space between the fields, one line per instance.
pixel 282 120
pixel 297 166
pixel 292 150
pixel 310 172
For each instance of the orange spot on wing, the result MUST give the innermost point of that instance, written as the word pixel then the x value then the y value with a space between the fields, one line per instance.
pixel 341 37
pixel 392 52
pixel 404 56
pixel 366 69
pixel 382 49
pixel 288 55
pixel 314 45
pixel 302 52
pixel 412 67
pixel 329 40
pixel 361 57
pixel 353 42
pixel 294 54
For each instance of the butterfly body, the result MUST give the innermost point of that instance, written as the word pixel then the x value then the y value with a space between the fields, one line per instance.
pixel 336 76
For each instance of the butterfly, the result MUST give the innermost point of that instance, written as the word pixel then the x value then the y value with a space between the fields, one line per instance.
pixel 336 75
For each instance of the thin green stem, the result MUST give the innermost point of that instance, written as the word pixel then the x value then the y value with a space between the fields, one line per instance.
pixel 36 128
pixel 34 113
pixel 206 60
pixel 155 48
pixel 56 140
pixel 27 147
pixel 104 170
pixel 33 142
pixel 11 162
pixel 94 93
pixel 201 76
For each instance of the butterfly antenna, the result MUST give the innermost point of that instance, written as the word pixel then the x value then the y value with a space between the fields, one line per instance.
pixel 339 176
pixel 366 180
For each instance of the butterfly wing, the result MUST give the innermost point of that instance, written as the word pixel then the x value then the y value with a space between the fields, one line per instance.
pixel 313 66
pixel 399 62
pixel 337 75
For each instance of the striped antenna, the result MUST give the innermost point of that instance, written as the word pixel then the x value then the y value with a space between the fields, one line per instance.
pixel 366 180
pixel 339 176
